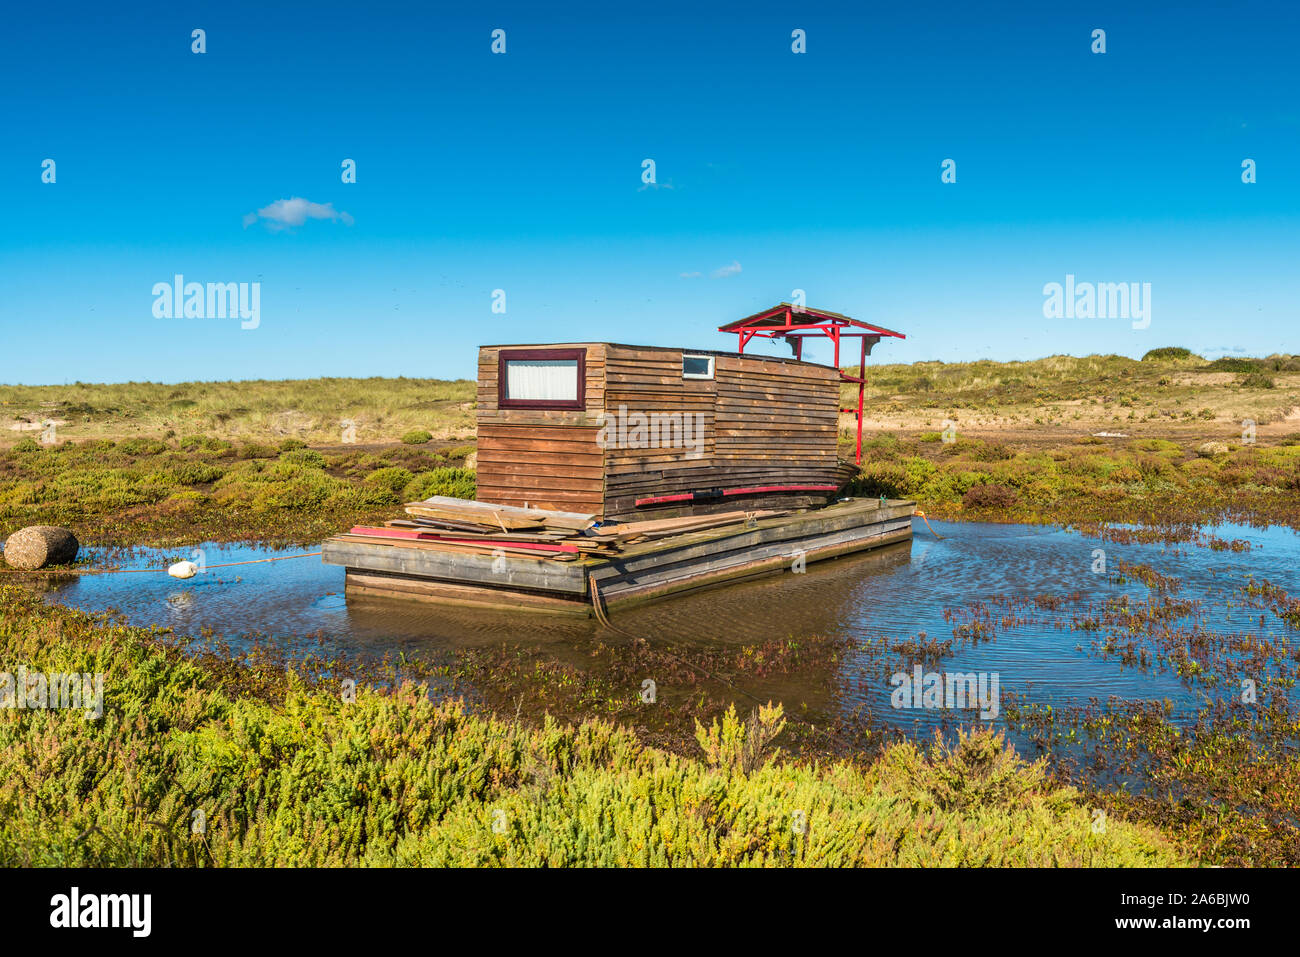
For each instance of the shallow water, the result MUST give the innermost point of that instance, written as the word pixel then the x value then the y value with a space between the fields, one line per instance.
pixel 891 594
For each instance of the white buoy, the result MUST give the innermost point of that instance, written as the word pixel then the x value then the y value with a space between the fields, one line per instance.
pixel 183 570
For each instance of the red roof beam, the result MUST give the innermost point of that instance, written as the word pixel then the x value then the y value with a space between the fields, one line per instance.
pixel 817 315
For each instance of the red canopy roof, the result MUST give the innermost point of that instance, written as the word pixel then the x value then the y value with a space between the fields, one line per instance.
pixel 795 323
pixel 785 317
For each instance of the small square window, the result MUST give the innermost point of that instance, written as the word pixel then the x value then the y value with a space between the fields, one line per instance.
pixel 697 367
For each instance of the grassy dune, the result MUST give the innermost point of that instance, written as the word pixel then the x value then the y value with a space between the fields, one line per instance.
pixel 313 410
pixel 1046 397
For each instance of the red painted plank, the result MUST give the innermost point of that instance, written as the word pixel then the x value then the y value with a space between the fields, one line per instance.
pixel 488 542
pixel 746 490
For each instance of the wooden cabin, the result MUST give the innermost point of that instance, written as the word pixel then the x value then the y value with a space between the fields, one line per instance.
pixel 630 432
pixel 625 431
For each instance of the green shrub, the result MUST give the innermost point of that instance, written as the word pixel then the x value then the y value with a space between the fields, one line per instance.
pixel 880 478
pixel 457 452
pixel 1257 380
pixel 308 489
pixel 254 450
pixel 304 456
pixel 141 446
pixel 990 495
pixel 196 473
pixel 884 444
pixel 1167 352
pixel 183 501
pixel 108 489
pixel 918 471
pixel 416 437
pixel 452 482
pixel 391 481
pixel 1158 445
pixel 741 746
pixel 1230 364
pixel 976 770
pixel 204 443
pixel 979 450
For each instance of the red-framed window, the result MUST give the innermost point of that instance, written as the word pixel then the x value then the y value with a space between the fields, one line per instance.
pixel 542 379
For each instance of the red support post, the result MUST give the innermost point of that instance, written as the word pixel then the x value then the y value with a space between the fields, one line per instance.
pixel 812 321
pixel 862 387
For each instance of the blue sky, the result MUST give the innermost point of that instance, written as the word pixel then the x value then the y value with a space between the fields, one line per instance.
pixel 523 172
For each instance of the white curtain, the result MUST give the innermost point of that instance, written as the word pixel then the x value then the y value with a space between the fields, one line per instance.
pixel 551 379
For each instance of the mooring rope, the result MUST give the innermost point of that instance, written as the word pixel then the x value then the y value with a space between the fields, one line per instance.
pixel 927 524
pixel 128 571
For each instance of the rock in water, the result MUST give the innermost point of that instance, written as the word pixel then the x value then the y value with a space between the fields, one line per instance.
pixel 39 545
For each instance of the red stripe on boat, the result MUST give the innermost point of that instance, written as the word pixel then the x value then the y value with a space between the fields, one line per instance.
pixel 747 490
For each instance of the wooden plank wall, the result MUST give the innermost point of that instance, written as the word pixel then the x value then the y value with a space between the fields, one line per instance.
pixel 545 458
pixel 766 422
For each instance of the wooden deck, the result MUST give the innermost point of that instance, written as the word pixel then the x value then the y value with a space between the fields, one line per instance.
pixel 643 572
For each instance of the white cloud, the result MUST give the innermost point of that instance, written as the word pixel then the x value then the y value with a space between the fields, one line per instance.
pixel 287 213
pixel 726 271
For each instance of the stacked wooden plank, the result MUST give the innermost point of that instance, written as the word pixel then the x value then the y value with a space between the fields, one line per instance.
pixel 481 528
pixel 630 563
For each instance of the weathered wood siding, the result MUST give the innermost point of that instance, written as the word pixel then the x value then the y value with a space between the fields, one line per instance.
pixel 765 422
pixel 546 458
pixel 762 422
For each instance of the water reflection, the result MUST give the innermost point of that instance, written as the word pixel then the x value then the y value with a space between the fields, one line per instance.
pixel 887 595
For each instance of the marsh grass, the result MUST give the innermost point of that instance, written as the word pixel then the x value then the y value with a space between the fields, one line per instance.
pixel 1221 769
pixel 1158 481
pixel 203 488
pixel 395 778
